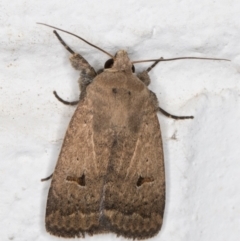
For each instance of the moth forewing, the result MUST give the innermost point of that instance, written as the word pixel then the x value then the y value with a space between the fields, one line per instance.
pixel 110 173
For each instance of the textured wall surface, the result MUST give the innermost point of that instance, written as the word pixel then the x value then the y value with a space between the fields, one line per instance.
pixel 201 155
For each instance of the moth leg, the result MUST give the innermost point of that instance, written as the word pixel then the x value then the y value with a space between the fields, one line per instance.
pixel 79 63
pixel 46 178
pixel 158 108
pixel 144 76
pixel 64 101
pixel 154 64
pixel 87 73
pixel 174 116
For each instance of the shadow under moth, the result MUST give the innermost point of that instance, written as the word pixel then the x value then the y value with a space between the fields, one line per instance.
pixel 110 172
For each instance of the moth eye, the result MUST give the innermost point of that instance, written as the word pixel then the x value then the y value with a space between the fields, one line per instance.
pixel 108 64
pixel 142 180
pixel 79 180
pixel 133 69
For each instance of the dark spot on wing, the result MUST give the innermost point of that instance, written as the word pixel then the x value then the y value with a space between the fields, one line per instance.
pixel 142 180
pixel 79 180
pixel 114 90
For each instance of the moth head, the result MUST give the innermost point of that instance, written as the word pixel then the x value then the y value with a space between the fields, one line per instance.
pixel 120 62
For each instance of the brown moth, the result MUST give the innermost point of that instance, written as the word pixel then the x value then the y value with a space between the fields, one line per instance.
pixel 110 172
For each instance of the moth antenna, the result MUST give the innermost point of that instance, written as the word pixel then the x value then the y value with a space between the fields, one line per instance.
pixel 79 38
pixel 162 59
pixel 154 64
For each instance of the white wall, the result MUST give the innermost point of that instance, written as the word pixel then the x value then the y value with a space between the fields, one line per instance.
pixel 202 163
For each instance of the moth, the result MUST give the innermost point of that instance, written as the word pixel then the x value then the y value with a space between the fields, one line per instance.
pixel 110 175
